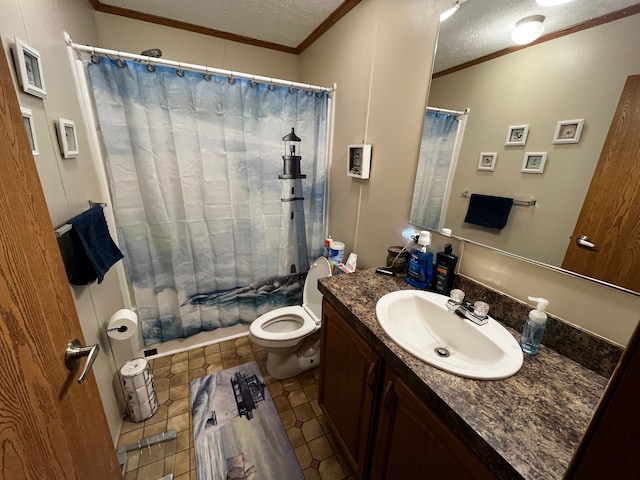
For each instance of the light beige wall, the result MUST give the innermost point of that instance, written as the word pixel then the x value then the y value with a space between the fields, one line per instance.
pixel 605 311
pixel 68 184
pixel 575 76
pixel 129 35
pixel 380 55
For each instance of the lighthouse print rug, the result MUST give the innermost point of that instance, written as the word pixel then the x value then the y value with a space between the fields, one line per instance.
pixel 237 430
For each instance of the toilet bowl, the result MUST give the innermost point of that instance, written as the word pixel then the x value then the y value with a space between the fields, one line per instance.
pixel 290 335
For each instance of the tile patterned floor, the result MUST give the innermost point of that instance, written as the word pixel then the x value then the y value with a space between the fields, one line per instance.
pixel 295 398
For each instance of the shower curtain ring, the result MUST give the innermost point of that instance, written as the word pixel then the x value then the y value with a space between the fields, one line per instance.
pixel 253 81
pixel 232 80
pixel 180 71
pixel 271 85
pixel 120 62
pixel 94 57
pixel 207 75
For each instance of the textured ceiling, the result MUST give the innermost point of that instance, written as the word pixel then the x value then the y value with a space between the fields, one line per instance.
pixel 478 28
pixel 284 22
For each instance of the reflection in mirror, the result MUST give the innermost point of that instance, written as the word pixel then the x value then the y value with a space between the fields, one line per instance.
pixel 442 133
pixel 576 76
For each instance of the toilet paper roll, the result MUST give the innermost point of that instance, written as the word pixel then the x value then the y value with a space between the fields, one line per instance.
pixel 123 324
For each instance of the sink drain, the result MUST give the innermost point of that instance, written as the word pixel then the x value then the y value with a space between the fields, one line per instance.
pixel 442 352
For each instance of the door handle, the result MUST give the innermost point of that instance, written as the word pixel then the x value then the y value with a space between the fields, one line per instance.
pixel 75 351
pixel 370 375
pixel 584 241
pixel 386 396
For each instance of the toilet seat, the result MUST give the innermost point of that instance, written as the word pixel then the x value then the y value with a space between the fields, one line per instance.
pixel 285 315
pixel 306 316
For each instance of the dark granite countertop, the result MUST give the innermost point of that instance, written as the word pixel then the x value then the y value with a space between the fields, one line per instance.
pixel 526 426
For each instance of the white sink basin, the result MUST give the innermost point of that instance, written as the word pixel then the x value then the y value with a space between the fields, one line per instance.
pixel 420 323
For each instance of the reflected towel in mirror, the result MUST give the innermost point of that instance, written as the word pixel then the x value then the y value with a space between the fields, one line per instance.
pixel 488 211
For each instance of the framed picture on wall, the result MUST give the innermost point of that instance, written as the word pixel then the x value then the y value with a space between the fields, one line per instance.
pixel 27 118
pixel 534 162
pixel 359 161
pixel 568 131
pixel 487 161
pixel 517 135
pixel 67 138
pixel 29 69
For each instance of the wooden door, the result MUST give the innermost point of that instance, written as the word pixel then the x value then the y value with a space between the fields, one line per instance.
pixel 610 215
pixel 412 442
pixel 349 372
pixel 51 426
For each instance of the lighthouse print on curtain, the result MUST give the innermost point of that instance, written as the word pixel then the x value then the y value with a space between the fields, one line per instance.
pixel 217 225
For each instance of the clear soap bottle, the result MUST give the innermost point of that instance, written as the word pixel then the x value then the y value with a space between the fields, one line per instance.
pixel 534 327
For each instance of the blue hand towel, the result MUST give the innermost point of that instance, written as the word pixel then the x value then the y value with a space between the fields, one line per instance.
pixel 94 249
pixel 488 211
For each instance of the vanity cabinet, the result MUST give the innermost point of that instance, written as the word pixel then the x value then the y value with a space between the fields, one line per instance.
pixel 349 381
pixel 384 429
pixel 412 442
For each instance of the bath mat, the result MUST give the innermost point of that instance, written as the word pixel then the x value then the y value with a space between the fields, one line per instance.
pixel 237 430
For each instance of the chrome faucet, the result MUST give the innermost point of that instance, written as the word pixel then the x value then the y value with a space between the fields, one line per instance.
pixel 477 312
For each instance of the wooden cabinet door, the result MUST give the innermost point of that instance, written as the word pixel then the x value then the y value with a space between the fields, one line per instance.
pixel 349 376
pixel 413 443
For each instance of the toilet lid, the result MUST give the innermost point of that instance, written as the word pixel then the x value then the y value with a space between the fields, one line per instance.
pixel 311 296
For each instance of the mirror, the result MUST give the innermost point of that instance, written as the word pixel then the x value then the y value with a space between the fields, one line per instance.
pixel 571 78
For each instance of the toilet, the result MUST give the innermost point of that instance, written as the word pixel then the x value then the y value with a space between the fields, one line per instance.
pixel 291 335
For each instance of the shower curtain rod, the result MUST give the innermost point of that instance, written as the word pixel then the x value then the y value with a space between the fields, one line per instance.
pixel 194 67
pixel 454 112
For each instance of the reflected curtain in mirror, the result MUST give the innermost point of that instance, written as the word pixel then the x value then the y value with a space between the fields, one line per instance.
pixel 441 134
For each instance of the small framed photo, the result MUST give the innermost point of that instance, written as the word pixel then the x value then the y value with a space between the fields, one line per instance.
pixel 29 69
pixel 359 161
pixel 568 131
pixel 534 162
pixel 27 118
pixel 517 135
pixel 67 138
pixel 487 161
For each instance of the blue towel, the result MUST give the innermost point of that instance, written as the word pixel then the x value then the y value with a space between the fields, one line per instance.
pixel 488 211
pixel 94 250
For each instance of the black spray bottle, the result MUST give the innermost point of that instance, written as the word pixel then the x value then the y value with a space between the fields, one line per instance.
pixel 445 267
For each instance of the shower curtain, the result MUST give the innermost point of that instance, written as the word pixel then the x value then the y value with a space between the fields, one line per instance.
pixel 212 233
pixel 436 154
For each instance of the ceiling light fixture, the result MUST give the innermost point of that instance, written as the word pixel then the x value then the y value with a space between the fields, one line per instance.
pixel 552 3
pixel 528 29
pixel 451 11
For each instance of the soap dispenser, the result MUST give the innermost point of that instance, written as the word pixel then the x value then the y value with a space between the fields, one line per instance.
pixel 420 267
pixel 445 268
pixel 534 328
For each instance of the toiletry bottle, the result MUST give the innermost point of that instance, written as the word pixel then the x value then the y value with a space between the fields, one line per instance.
pixel 534 328
pixel 327 247
pixel 445 266
pixel 420 268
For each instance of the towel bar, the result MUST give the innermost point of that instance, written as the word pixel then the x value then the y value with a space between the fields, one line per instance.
pixel 526 203
pixel 62 229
